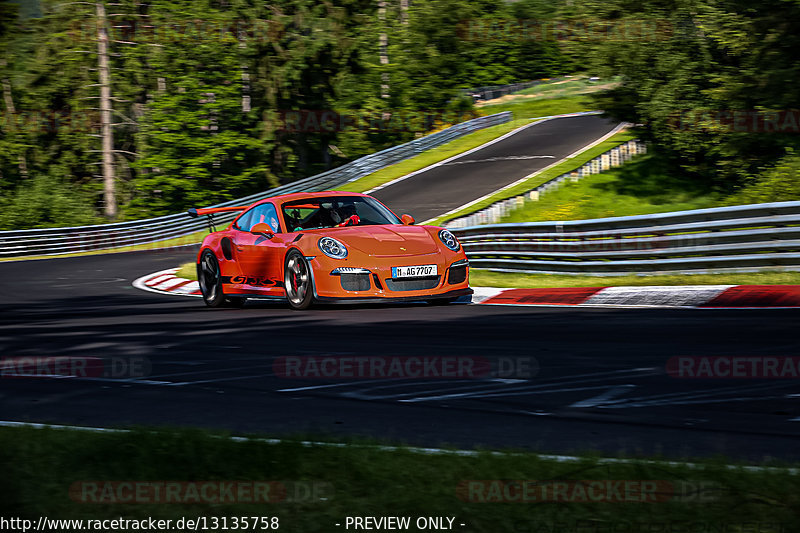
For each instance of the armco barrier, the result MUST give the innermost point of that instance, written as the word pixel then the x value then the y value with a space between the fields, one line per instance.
pixel 739 238
pixel 56 241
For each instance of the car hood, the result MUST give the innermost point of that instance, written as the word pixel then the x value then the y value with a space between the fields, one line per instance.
pixel 387 241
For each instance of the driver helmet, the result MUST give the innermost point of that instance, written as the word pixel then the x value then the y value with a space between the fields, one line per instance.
pixel 346 209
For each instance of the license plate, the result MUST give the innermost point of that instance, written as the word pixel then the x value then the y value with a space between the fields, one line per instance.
pixel 417 271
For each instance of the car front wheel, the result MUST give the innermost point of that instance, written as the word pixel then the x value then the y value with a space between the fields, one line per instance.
pixel 297 281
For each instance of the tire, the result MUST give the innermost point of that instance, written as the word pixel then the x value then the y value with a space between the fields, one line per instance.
pixel 209 276
pixel 297 281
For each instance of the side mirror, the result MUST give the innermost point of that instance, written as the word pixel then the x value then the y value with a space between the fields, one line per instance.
pixel 407 219
pixel 262 228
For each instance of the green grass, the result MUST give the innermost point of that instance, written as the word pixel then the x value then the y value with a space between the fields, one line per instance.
pixel 543 176
pixel 487 278
pixel 40 466
pixel 188 271
pixel 541 107
pixel 640 187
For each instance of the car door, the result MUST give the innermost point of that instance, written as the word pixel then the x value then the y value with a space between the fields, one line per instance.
pixel 260 258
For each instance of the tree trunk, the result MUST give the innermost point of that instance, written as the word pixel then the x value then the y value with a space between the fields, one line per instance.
pixel 383 43
pixel 12 111
pixel 109 192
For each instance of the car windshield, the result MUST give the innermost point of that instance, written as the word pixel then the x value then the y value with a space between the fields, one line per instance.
pixel 324 212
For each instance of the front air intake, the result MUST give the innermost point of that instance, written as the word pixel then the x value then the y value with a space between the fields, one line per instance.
pixel 457 275
pixel 420 284
pixel 355 282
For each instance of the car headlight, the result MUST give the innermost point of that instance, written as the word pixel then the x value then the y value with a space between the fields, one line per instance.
pixel 449 240
pixel 332 248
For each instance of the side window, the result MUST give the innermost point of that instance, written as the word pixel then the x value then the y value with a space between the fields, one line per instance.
pixel 260 213
pixel 265 213
pixel 243 222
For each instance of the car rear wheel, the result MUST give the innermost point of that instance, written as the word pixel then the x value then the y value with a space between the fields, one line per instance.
pixel 297 281
pixel 209 277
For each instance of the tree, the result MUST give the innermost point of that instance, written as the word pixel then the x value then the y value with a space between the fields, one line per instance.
pixel 197 145
pixel 712 58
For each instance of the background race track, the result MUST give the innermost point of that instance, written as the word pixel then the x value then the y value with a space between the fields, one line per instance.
pixel 599 380
pixel 432 193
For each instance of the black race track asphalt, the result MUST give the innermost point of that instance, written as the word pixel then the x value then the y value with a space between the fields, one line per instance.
pixel 597 378
pixel 593 379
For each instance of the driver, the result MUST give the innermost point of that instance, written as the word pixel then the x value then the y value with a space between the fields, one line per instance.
pixel 347 209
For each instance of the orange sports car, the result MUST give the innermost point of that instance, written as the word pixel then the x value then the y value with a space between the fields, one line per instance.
pixel 328 246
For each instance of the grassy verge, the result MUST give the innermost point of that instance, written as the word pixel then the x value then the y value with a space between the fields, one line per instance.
pixel 487 278
pixel 642 186
pixel 543 176
pixel 329 484
pixel 188 271
pixel 541 107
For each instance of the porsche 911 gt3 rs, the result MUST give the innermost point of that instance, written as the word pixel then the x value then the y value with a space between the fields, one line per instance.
pixel 328 246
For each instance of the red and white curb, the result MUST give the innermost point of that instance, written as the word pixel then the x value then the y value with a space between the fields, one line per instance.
pixel 166 282
pixel 685 296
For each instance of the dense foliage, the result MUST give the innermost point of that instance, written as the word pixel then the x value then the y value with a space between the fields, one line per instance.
pixel 200 91
pixel 715 83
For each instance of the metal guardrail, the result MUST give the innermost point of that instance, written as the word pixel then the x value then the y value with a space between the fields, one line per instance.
pixel 739 238
pixel 57 241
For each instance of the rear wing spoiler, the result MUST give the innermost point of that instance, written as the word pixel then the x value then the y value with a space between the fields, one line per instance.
pixel 210 211
pixel 194 212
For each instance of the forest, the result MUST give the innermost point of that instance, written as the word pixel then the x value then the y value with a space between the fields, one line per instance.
pixel 124 110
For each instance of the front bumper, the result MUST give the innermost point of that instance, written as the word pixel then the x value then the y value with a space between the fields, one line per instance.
pixel 374 281
pixel 360 299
